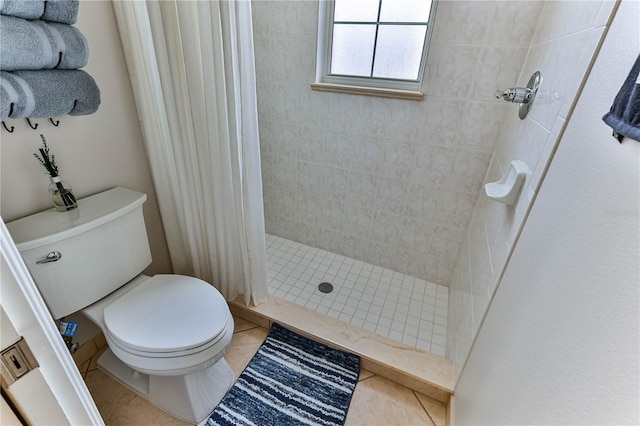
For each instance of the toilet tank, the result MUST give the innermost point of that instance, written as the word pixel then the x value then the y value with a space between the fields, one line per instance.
pixel 103 245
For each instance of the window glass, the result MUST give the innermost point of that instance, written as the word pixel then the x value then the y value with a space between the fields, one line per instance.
pixel 352 51
pixel 356 10
pixel 403 10
pixel 380 44
pixel 399 51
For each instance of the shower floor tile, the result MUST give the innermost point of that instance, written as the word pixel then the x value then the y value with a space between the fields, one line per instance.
pixel 394 305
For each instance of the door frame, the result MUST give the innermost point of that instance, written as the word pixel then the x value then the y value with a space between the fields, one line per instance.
pixel 57 378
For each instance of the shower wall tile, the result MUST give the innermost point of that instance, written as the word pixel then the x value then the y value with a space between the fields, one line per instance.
pixel 426 202
pixel 498 218
pixel 457 209
pixel 462 22
pixel 324 181
pixel 450 68
pixel 387 181
pixel 547 150
pixel 566 38
pixel 285 18
pixel 591 44
pixel 293 64
pixel 469 170
pixel 561 18
pixel 461 283
pixel 525 142
pixel 514 22
pixel 480 264
pixel 463 123
pixel 435 164
pixel 559 59
pixel 498 68
pixel 445 242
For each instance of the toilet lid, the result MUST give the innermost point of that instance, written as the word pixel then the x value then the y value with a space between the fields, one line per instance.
pixel 167 313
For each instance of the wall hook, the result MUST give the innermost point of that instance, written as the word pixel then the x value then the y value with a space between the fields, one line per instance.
pixel 55 123
pixel 31 125
pixel 6 128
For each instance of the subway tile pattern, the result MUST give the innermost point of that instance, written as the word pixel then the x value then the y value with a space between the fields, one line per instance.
pixel 386 181
pixel 566 37
pixel 403 308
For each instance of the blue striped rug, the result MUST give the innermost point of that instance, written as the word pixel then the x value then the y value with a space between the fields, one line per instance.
pixel 291 380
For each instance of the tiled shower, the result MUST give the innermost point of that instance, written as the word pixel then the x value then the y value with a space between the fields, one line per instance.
pixel 397 183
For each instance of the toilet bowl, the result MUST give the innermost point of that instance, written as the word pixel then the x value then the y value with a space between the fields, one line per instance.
pixel 167 334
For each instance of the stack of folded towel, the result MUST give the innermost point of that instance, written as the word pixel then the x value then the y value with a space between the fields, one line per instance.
pixel 40 56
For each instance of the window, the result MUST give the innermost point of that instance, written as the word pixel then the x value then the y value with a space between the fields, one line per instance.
pixel 373 46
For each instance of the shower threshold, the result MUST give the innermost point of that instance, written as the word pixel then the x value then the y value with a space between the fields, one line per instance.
pixel 394 305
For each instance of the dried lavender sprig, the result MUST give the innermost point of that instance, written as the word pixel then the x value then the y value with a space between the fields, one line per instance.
pixel 47 160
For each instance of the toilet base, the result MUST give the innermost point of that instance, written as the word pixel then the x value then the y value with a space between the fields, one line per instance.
pixel 190 397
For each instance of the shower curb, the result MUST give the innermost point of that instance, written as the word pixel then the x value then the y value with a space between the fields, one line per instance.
pixel 421 371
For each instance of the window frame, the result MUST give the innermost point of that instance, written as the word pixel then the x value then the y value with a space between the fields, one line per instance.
pixel 377 86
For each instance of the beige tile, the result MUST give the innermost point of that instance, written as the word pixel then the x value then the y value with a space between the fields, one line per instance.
pixel 83 368
pixel 241 324
pixel 243 346
pixel 378 401
pixel 120 406
pixel 85 352
pixel 406 380
pixel 100 341
pixel 93 364
pixel 436 409
pixel 365 374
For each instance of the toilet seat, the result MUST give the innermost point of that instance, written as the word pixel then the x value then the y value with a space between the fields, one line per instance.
pixel 169 324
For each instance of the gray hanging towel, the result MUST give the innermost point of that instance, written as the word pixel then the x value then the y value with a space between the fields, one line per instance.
pixel 60 92
pixel 63 11
pixel 624 116
pixel 74 53
pixel 36 45
pixel 16 97
pixel 5 101
pixel 26 45
pixel 32 9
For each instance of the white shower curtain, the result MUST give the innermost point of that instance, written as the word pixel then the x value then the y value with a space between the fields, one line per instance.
pixel 192 70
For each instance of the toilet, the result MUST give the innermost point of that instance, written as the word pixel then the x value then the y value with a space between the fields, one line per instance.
pixel 167 334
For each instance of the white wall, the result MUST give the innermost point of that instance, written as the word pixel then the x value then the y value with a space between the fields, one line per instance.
pixel 95 152
pixel 567 35
pixel 560 343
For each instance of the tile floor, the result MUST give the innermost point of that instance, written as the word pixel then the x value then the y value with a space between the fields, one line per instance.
pixel 376 400
pixel 394 305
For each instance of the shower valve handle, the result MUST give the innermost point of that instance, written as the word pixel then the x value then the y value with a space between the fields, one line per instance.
pixel 519 95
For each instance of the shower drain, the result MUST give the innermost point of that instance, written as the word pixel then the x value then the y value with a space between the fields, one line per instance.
pixel 325 287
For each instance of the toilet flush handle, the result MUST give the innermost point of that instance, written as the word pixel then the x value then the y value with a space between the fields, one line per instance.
pixel 54 256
